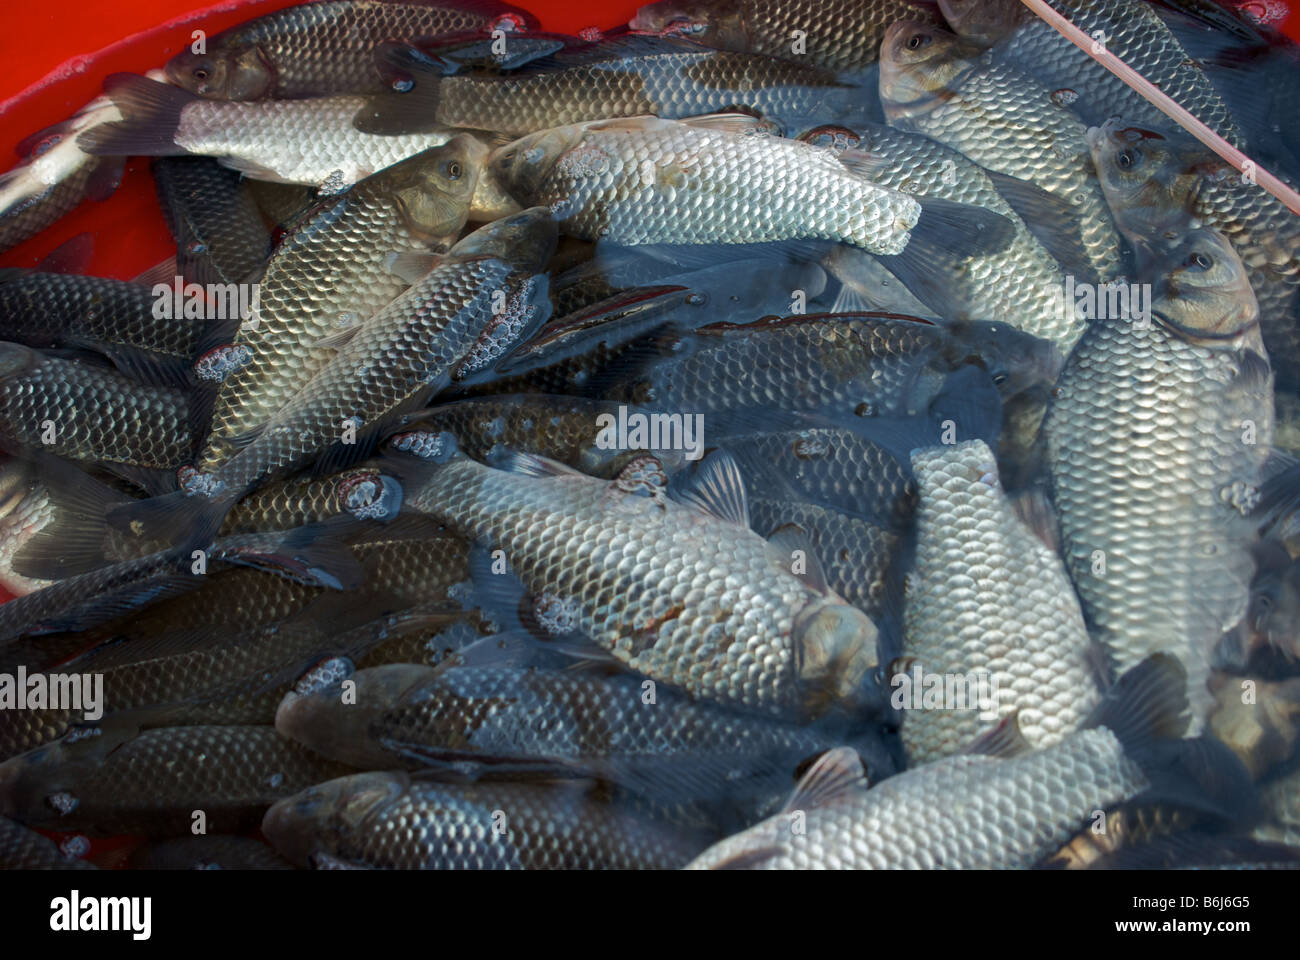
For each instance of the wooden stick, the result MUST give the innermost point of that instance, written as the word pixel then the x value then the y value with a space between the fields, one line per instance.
pixel 1252 171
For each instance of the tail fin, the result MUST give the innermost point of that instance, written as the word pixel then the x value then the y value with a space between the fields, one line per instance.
pixel 151 113
pixel 418 77
pixel 947 233
pixel 185 520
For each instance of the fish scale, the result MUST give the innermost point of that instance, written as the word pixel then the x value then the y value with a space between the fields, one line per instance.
pixel 836 468
pixel 986 597
pixel 261 616
pixel 961 812
pixel 330 271
pixel 670 85
pixel 840 35
pixel 313 49
pixel 387 821
pixel 857 556
pixel 658 584
pixel 296 141
pixel 861 363
pixel 658 181
pixel 1135 34
pixel 1168 185
pixel 1021 285
pixel 528 714
pixel 1145 444
pixel 98 414
pixel 48 309
pixel 152 782
pixel 413 342
pixel 1004 121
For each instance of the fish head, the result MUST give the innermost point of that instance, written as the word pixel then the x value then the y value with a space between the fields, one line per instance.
pixel 315 820
pixel 223 73
pixel 1201 289
pixel 835 652
pixel 919 65
pixel 719 24
pixel 982 22
pixel 311 716
pixel 433 190
pixel 1146 179
pixel 521 167
pixel 526 239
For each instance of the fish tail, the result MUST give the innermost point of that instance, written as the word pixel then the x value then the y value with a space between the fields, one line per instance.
pixel 180 520
pixel 151 114
pixel 418 75
pixel 946 233
pixel 1147 709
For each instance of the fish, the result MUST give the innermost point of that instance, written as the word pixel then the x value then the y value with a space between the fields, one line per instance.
pixel 311 142
pixel 23 849
pixel 90 413
pixel 861 365
pixel 213 852
pixel 213 217
pixel 389 821
pixel 447 326
pixel 100 595
pixel 330 273
pixel 933 83
pixel 57 176
pixel 625 77
pixel 114 318
pixel 172 665
pixel 322 48
pixel 1022 285
pixel 1156 435
pixel 488 718
pixel 1017 807
pixel 783 646
pixel 832 466
pixel 712 179
pixel 1130 31
pixel 843 35
pixel 1157 185
pixel 856 555
pixel 986 599
pixel 109 779
pixel 556 427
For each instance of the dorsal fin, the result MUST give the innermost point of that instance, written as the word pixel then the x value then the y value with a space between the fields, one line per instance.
pixel 718 489
pixel 836 773
pixel 794 550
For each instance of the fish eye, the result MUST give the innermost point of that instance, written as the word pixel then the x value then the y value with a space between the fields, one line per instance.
pixel 1200 261
pixel 918 40
pixel 201 73
pixel 453 170
pixel 1127 158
